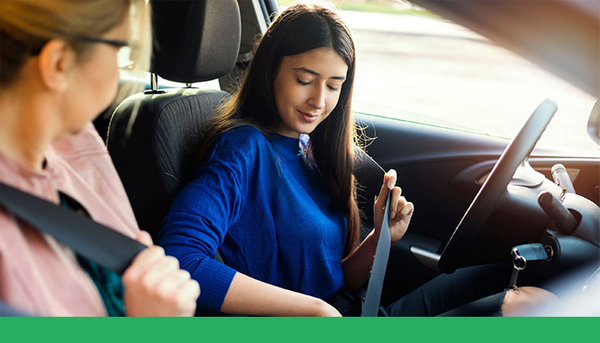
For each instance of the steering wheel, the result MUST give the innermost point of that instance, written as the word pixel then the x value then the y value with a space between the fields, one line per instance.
pixel 484 203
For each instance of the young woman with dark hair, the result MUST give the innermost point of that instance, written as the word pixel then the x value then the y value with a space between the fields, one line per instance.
pixel 284 219
pixel 276 194
pixel 299 30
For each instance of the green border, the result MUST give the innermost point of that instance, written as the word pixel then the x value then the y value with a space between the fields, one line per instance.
pixel 109 330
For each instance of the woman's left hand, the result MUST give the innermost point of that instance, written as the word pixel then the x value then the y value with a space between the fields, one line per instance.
pixel 400 211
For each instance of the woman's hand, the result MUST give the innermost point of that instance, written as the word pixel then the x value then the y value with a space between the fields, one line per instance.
pixel 357 265
pixel 400 210
pixel 155 286
pixel 519 303
pixel 326 310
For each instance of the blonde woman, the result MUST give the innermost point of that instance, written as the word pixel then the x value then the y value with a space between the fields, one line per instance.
pixel 59 69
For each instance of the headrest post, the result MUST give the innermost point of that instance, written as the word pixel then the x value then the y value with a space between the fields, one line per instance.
pixel 154 81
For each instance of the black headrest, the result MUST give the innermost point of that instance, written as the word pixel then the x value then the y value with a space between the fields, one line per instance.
pixel 195 41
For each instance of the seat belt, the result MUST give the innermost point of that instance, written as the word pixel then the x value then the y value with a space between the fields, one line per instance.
pixel 89 239
pixel 370 307
pixel 382 253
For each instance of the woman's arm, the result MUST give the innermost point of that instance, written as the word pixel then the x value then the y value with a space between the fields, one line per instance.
pixel 199 220
pixel 248 296
pixel 155 286
pixel 357 265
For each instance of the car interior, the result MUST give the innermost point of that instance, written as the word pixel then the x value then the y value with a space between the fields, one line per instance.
pixel 476 196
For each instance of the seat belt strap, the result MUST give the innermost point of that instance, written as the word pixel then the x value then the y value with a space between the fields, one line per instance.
pixel 382 253
pixel 89 239
pixel 370 308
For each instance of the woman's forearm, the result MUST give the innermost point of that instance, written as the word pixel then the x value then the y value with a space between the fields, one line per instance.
pixel 248 296
pixel 357 265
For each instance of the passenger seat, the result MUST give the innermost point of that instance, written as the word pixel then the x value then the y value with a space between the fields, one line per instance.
pixel 194 41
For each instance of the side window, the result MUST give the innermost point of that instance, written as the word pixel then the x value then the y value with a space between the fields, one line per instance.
pixel 417 66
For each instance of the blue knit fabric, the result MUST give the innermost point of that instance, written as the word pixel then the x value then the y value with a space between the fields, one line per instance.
pixel 258 202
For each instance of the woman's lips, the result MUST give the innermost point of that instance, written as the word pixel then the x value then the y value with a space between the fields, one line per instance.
pixel 308 117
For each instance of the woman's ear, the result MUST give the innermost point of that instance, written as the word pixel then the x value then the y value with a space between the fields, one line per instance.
pixel 55 62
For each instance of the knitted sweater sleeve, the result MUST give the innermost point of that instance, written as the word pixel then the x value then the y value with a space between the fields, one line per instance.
pixel 203 211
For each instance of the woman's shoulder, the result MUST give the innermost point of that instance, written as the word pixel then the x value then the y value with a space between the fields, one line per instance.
pixel 244 132
pixel 247 137
pixel 238 145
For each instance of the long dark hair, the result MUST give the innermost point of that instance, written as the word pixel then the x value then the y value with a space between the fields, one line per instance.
pixel 300 28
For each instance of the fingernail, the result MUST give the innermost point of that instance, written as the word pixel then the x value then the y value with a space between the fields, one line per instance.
pixel 392 214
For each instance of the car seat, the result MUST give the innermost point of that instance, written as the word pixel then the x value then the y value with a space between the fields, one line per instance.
pixel 156 153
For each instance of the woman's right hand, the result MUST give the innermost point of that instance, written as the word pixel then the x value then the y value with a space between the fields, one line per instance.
pixel 326 310
pixel 519 302
pixel 155 286
pixel 400 211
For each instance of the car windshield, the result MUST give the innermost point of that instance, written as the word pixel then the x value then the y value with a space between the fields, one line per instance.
pixel 413 65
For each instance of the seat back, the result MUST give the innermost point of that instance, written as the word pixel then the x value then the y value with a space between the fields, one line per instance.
pixel 156 153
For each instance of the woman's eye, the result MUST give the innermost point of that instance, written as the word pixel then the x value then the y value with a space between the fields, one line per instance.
pixel 304 83
pixel 335 89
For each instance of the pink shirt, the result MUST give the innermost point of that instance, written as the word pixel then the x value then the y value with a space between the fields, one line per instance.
pixel 37 274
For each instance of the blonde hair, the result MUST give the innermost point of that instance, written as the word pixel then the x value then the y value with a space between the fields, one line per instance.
pixel 27 25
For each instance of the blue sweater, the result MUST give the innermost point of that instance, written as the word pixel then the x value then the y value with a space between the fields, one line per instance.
pixel 258 202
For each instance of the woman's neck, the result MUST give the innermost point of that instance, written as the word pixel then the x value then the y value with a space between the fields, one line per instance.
pixel 26 130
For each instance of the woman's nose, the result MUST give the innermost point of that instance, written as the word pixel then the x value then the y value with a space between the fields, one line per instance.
pixel 318 97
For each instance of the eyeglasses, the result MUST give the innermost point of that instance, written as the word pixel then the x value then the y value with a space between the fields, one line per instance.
pixel 124 60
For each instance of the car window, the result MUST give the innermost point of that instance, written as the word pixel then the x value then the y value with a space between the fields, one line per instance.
pixel 419 67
